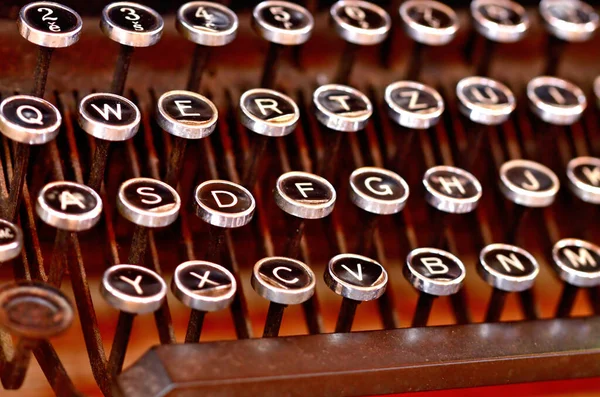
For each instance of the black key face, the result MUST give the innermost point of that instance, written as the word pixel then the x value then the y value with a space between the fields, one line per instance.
pixel 307 191
pixel 9 234
pixel 209 18
pixel 501 14
pixel 206 280
pixel 556 96
pixel 134 18
pixel 110 110
pixel 571 12
pixel 285 17
pixel 588 173
pixel 509 262
pixel 70 199
pixel 430 16
pixel 379 185
pixel 361 17
pixel 274 109
pixel 51 18
pixel 579 258
pixel 134 282
pixel 34 309
pixel 531 179
pixel 436 267
pixel 29 113
pixel 357 271
pixel 225 197
pixel 449 183
pixel 282 273
pixel 149 196
pixel 486 96
pixel 188 109
pixel 343 103
pixel 414 100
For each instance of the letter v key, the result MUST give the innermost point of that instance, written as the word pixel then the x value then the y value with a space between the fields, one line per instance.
pixel 359 275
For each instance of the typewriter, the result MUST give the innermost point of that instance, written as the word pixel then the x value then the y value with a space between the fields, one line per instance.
pixel 309 198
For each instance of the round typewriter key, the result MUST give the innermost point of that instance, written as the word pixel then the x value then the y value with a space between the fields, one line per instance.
pixel 556 101
pixel 49 25
pixel 577 263
pixel 223 205
pixel 357 279
pixel 378 191
pixel 359 23
pixel 29 120
pixel 501 21
pixel 207 24
pixel 506 268
pixel 485 101
pixel 266 113
pixel 451 189
pixel 133 290
pixel 342 108
pixel 11 241
pixel 528 183
pixel 429 22
pixel 282 281
pixel 569 20
pixel 282 23
pixel 149 203
pixel 185 115
pixel 583 174
pixel 433 272
pixel 413 105
pixel 131 25
pixel 203 287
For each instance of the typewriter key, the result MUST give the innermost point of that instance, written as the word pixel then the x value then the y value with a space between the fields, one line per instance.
pixel 429 23
pixel 69 207
pixel 131 25
pixel 266 113
pixel 133 290
pixel 148 203
pixel 556 101
pixel 203 287
pixel 485 101
pixel 107 117
pixel 283 281
pixel 303 196
pixel 185 115
pixel 569 20
pixel 27 120
pixel 506 268
pixel 11 241
pixel 207 24
pixel 32 311
pixel 413 105
pixel 339 108
pixel 357 279
pixel 433 272
pixel 377 191
pixel 498 21
pixel 359 23
pixel 583 174
pixel 577 263
pixel 223 205
pixel 49 25
pixel 282 23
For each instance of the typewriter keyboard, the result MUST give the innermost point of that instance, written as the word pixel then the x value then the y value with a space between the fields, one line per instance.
pixel 299 199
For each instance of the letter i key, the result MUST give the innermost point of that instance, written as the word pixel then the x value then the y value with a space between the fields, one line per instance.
pixel 357 279
pixel 69 207
pixel 185 115
pixel 266 113
pixel 577 264
pixel 108 118
pixel 433 272
pixel 282 23
pixel 283 281
pixel 133 290
pixel 203 287
pixel 26 120
pixel 49 25
pixel 131 25
pixel 208 25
